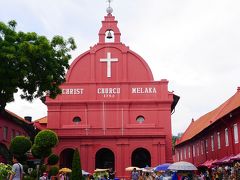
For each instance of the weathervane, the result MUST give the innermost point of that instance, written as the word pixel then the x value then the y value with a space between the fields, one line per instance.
pixel 109 8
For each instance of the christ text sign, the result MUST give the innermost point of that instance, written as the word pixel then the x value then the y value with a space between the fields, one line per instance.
pixel 73 91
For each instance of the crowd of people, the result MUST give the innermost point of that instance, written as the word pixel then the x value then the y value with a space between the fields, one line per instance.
pixel 107 174
pixel 226 172
pixel 60 176
pixel 220 172
pixel 141 175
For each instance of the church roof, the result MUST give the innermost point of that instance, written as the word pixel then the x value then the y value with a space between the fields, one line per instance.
pixel 211 117
pixel 15 117
pixel 19 121
pixel 41 123
pixel 42 120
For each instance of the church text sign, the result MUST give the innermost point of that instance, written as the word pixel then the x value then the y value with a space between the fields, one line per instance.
pixel 111 91
pixel 72 91
pixel 144 90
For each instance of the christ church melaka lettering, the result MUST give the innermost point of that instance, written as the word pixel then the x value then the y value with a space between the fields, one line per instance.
pixel 144 90
pixel 73 91
pixel 109 92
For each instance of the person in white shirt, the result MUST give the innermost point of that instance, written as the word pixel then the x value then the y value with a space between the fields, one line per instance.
pixel 17 170
pixel 44 176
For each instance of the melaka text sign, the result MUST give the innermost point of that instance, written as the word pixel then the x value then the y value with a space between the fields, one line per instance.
pixel 111 91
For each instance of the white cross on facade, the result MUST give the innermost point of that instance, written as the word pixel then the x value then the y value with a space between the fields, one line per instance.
pixel 109 60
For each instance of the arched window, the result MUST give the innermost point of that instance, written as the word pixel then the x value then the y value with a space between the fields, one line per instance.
pixel 66 157
pixel 140 119
pixel 104 159
pixel 76 119
pixel 141 157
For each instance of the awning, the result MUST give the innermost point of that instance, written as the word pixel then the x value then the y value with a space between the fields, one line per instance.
pixel 219 161
pixel 228 160
pixel 207 163
pixel 236 157
pixel 225 160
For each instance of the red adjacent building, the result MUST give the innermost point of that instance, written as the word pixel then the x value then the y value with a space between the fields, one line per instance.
pixel 12 125
pixel 111 108
pixel 214 136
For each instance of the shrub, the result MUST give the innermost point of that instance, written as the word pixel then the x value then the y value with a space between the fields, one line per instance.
pixel 76 166
pixel 20 145
pixel 53 171
pixel 53 159
pixel 36 151
pixel 40 152
pixel 27 177
pixel 34 174
pixel 46 139
pixel 5 169
pixel 43 168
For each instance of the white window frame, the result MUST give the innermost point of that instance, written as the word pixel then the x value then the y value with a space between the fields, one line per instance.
pixel 193 150
pixel 212 142
pixel 226 137
pixel 235 130
pixel 189 152
pixel 13 134
pixel 5 133
pixel 202 147
pixel 181 155
pixel 185 153
pixel 219 140
pixel 206 145
pixel 197 149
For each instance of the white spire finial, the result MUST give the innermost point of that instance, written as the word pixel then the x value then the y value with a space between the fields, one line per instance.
pixel 109 8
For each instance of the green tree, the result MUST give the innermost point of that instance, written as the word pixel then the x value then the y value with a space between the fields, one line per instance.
pixel 174 138
pixel 20 145
pixel 46 139
pixel 53 159
pixel 32 63
pixel 53 171
pixel 76 166
pixel 5 170
pixel 40 152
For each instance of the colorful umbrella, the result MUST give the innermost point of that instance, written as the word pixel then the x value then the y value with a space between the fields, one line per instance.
pixel 85 173
pixel 100 170
pixel 162 167
pixel 131 168
pixel 182 165
pixel 65 170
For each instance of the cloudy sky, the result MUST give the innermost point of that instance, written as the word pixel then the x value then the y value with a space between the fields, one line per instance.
pixel 194 44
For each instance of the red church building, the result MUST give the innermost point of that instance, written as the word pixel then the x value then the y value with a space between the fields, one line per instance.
pixel 111 108
pixel 214 137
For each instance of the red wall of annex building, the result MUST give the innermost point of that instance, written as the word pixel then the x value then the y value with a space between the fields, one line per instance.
pixel 214 136
pixel 11 126
pixel 111 109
